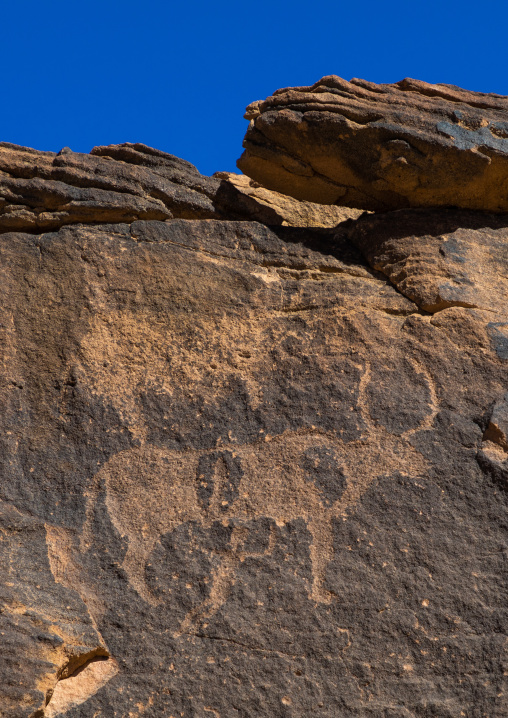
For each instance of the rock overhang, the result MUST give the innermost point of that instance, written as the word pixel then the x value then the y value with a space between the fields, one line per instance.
pixel 381 147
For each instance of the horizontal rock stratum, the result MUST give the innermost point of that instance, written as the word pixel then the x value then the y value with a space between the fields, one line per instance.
pixel 41 191
pixel 381 147
pixel 253 450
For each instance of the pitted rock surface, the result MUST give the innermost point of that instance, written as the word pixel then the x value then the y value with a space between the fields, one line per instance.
pixel 381 147
pixel 252 470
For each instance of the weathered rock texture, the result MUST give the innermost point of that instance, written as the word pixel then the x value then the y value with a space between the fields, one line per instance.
pixel 42 191
pixel 381 147
pixel 286 209
pixel 247 470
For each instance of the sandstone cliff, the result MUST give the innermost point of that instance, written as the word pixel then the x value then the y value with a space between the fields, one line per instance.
pixel 254 452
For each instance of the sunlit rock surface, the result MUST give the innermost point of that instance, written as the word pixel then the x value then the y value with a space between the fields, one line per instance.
pixel 381 147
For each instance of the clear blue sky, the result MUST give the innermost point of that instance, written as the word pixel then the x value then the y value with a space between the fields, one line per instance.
pixel 178 75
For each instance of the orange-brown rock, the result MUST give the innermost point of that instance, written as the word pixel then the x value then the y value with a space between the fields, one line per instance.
pixel 41 191
pixel 286 210
pixel 439 258
pixel 47 632
pixel 381 147
pixel 249 470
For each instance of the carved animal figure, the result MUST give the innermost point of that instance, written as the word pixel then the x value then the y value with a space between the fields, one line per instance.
pixel 305 474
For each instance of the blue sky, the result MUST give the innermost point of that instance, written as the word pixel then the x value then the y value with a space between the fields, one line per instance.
pixel 178 75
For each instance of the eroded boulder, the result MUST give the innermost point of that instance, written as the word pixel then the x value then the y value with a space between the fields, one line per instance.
pixel 381 147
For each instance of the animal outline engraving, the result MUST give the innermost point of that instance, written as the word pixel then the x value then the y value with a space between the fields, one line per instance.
pixel 268 481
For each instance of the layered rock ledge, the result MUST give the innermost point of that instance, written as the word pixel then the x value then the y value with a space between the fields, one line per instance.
pixel 381 147
pixel 41 191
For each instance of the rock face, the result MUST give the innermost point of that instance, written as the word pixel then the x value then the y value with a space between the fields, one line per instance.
pixel 381 147
pixel 247 469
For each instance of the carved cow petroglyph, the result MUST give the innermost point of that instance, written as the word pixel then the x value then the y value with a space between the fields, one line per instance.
pixel 150 491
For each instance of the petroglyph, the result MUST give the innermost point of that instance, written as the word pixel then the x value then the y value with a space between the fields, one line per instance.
pixel 125 357
pixel 275 477
pixel 223 578
pixel 63 556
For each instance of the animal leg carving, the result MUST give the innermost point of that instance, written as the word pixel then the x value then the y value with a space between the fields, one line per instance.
pixel 222 581
pixel 321 553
